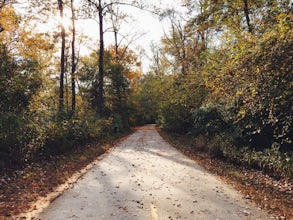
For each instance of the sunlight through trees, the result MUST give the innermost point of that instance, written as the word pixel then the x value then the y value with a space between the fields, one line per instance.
pixel 222 74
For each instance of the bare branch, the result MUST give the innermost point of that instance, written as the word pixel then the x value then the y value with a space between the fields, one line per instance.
pixel 134 38
pixel 138 6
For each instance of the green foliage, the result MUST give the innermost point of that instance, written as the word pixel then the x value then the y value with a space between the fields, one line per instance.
pixel 271 160
pixel 208 121
pixel 147 100
pixel 232 94
pixel 220 144
pixel 63 135
pixel 117 95
pixel 30 123
pixel 262 85
pixel 116 90
pixel 19 81
pixel 176 118
pixel 224 77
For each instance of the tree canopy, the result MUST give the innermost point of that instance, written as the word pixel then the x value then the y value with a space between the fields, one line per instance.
pixel 222 74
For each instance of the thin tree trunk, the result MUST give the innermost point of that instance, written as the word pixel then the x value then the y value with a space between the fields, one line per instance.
pixel 66 97
pixel 100 98
pixel 73 63
pixel 116 45
pixel 119 92
pixel 62 67
pixel 246 12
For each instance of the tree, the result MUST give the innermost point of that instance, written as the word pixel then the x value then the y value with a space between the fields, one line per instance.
pixel 73 62
pixel 100 81
pixel 116 18
pixel 176 43
pixel 121 81
pixel 62 58
pixel 23 60
pixel 102 10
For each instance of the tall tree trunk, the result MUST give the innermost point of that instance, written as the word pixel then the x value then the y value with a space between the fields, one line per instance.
pixel 73 63
pixel 119 92
pixel 66 88
pixel 62 67
pixel 116 44
pixel 246 12
pixel 100 98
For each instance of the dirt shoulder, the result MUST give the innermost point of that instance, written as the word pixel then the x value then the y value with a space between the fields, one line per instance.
pixel 271 194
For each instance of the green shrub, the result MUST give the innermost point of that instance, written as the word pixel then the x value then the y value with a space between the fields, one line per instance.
pixel 176 118
pixel 272 161
pixel 207 121
pixel 221 145
pixel 62 135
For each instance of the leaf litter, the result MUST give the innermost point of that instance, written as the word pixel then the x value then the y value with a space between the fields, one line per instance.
pixel 274 195
pixel 21 188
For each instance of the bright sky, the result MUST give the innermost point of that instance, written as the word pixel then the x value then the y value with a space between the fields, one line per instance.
pixel 142 23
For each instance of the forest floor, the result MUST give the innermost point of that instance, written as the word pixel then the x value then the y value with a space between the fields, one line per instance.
pixel 274 195
pixel 19 189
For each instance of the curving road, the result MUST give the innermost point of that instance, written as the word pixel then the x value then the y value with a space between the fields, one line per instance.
pixel 144 178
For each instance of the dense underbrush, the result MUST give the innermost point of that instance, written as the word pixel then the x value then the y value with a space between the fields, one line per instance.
pixel 271 161
pixel 36 137
pixel 211 133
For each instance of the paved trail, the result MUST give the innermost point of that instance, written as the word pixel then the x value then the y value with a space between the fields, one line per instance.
pixel 144 178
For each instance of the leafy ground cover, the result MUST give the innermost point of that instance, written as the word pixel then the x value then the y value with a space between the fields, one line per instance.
pixel 274 195
pixel 20 188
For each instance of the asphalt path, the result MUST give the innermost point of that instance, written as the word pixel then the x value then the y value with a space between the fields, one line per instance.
pixel 144 178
